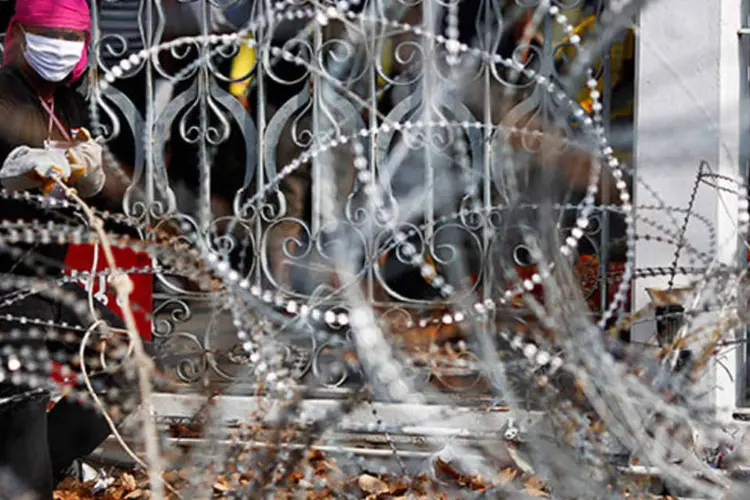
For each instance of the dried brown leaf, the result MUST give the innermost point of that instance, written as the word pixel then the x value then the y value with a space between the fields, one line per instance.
pixel 294 477
pixel 507 475
pixel 138 493
pixel 444 468
pixel 69 484
pixel 372 485
pixel 222 484
pixel 65 495
pixel 535 487
pixel 398 487
pixel 128 482
pixel 420 485
pixel 324 494
pixel 189 430
pixel 114 493
pixel 172 476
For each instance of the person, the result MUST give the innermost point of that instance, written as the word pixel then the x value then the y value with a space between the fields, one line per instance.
pixel 44 119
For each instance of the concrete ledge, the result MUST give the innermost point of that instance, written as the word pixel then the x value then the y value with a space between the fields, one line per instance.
pixel 433 419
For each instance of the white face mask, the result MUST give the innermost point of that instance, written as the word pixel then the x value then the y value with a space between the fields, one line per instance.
pixel 53 59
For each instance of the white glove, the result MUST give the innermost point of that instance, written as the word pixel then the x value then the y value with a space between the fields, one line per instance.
pixel 80 166
pixel 85 157
pixel 28 168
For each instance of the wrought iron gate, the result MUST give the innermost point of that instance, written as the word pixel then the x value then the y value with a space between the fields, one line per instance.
pixel 235 141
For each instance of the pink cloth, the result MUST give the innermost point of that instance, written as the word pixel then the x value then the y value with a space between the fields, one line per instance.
pixel 62 14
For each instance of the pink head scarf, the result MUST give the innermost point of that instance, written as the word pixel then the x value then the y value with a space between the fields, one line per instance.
pixel 61 14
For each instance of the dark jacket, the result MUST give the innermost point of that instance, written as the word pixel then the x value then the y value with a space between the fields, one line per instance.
pixel 36 446
pixel 23 121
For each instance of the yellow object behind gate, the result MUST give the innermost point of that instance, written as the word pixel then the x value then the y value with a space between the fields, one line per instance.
pixel 242 63
pixel 619 55
pixel 245 60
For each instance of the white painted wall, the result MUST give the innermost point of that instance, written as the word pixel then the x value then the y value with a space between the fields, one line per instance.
pixel 687 110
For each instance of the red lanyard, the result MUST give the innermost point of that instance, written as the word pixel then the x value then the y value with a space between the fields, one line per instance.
pixel 53 119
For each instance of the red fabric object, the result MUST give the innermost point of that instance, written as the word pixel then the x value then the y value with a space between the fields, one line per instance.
pixel 61 14
pixel 81 259
pixel 64 381
pixel 57 375
pixel 587 271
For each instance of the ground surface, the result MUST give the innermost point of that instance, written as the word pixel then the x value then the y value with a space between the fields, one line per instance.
pixel 322 479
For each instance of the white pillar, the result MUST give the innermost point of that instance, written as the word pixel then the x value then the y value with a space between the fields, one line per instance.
pixel 688 96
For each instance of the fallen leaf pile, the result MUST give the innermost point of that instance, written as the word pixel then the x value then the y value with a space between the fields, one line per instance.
pixel 317 477
pixel 119 486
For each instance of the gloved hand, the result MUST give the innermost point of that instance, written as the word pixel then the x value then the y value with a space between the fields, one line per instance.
pixel 28 168
pixel 86 169
pixel 80 166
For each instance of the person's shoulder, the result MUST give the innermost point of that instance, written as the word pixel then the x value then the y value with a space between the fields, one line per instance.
pixel 12 89
pixel 9 78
